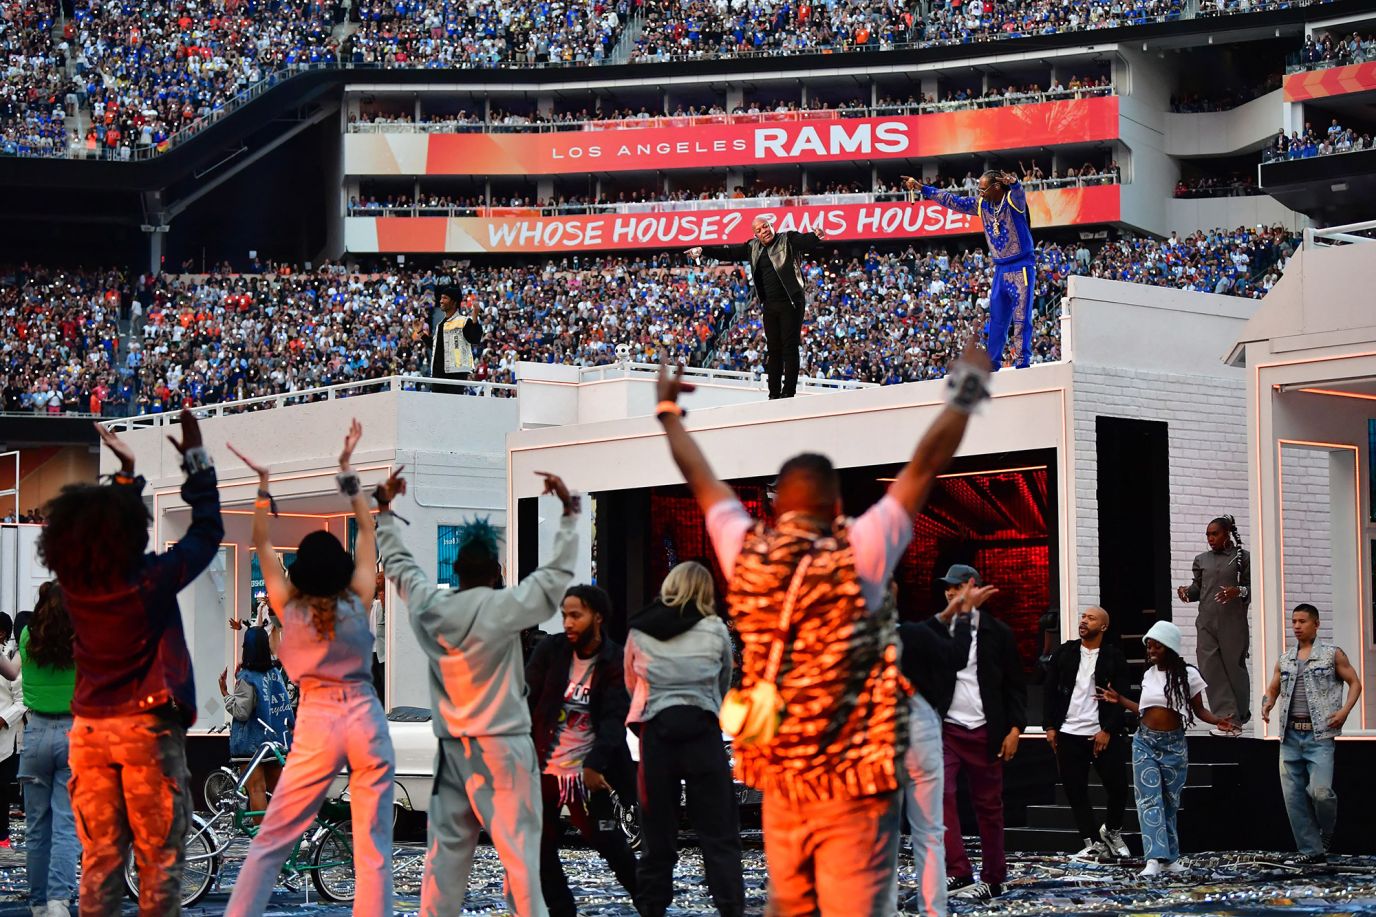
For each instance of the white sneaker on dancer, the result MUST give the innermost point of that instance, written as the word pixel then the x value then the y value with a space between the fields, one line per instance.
pixel 1176 868
pixel 1152 870
pixel 1093 852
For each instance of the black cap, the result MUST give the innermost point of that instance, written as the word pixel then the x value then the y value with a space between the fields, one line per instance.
pixel 960 574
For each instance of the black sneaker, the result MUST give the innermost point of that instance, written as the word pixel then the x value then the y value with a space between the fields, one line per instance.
pixel 981 892
pixel 955 883
pixel 1307 859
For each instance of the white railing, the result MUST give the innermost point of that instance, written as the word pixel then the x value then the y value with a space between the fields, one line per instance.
pixel 312 396
pixel 722 203
pixel 1339 235
pixel 623 368
pixel 441 126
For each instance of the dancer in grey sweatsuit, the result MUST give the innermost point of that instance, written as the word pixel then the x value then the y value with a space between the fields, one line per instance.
pixel 485 771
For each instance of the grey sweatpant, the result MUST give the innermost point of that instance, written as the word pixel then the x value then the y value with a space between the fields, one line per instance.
pixel 1223 646
pixel 492 783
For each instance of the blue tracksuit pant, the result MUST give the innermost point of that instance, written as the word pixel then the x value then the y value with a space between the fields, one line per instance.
pixel 1010 309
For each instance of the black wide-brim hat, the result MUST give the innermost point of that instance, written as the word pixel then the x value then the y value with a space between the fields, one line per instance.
pixel 322 566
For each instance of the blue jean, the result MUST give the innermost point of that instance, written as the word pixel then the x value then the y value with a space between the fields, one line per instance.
pixel 926 769
pixel 1159 766
pixel 1306 780
pixel 336 725
pixel 52 849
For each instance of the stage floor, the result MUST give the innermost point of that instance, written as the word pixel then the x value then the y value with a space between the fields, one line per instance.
pixel 1220 884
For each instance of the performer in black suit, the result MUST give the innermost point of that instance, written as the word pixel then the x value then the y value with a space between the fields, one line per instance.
pixel 778 282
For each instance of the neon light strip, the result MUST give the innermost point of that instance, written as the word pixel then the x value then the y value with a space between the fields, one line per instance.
pixel 1337 394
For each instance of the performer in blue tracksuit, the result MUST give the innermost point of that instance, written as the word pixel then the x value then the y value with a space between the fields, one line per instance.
pixel 1001 205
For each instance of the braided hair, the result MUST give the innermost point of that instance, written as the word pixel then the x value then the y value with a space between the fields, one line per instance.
pixel 1229 524
pixel 1177 684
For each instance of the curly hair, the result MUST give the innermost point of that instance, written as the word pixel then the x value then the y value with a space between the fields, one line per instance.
pixel 51 637
pixel 324 611
pixel 95 536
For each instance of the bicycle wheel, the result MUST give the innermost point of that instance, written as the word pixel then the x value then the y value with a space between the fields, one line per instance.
pixel 332 862
pixel 200 870
pixel 220 786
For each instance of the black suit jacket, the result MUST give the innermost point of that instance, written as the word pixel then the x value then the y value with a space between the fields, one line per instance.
pixel 931 659
pixel 999 671
pixel 1111 670
pixel 547 677
pixel 783 252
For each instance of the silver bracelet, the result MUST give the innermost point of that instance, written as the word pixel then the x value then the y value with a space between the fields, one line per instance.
pixel 197 459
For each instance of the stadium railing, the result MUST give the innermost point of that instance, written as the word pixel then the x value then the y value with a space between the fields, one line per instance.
pixel 1295 62
pixel 729 203
pixel 311 396
pixel 454 126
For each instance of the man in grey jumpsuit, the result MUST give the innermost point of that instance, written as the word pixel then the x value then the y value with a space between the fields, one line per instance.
pixel 1222 587
pixel 485 769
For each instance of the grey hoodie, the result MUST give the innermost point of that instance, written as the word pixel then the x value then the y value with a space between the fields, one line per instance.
pixel 691 668
pixel 473 637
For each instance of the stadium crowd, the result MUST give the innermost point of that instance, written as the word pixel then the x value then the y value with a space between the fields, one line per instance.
pixel 1328 51
pixel 1310 142
pixel 140 73
pixel 1239 184
pixel 497 120
pixel 195 339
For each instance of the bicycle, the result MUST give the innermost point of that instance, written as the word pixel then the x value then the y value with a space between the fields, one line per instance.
pixel 328 845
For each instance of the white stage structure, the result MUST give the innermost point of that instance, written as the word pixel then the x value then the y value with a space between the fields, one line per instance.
pixel 1131 353
pixel 1310 357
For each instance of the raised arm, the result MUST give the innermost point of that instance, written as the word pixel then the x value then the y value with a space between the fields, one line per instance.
pixel 967 387
pixel 184 561
pixel 946 199
pixel 364 581
pixel 274 579
pixel 693 465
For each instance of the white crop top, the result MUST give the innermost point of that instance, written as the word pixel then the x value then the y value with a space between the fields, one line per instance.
pixel 1154 688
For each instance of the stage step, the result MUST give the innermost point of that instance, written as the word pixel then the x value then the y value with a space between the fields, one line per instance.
pixel 1052 827
pixel 1062 818
pixel 1058 840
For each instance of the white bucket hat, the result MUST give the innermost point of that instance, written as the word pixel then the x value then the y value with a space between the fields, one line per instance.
pixel 1166 634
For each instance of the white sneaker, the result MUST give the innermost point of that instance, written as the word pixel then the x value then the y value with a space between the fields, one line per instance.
pixel 1152 869
pixel 1093 852
pixel 1176 868
pixel 1225 733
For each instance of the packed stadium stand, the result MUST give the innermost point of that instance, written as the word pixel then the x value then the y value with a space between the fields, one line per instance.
pixel 262 199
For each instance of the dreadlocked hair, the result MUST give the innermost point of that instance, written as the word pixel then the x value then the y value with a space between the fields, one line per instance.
pixel 1177 684
pixel 1230 524
pixel 50 635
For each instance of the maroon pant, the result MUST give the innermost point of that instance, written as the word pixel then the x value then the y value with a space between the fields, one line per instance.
pixel 968 750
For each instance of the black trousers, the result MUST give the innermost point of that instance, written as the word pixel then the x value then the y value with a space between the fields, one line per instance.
pixel 8 768
pixel 783 337
pixel 596 822
pixel 452 389
pixel 1074 755
pixel 682 747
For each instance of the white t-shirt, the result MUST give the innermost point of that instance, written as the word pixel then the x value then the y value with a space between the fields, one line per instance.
pixel 575 736
pixel 967 707
pixel 1154 688
pixel 1082 716
pixel 877 540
